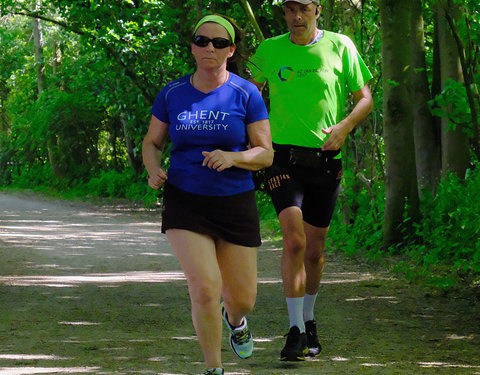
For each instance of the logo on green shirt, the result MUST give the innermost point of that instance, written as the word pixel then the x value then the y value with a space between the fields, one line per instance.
pixel 286 73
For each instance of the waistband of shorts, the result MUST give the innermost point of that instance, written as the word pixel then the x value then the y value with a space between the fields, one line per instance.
pixel 285 149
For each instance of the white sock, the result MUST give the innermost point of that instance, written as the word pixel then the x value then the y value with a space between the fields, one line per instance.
pixel 295 313
pixel 308 305
pixel 241 326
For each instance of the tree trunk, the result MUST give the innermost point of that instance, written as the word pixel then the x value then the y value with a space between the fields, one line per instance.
pixel 251 17
pixel 467 62
pixel 52 141
pixel 426 131
pixel 38 45
pixel 401 178
pixel 455 141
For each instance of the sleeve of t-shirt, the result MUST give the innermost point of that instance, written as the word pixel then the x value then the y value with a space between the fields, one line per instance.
pixel 159 108
pixel 357 72
pixel 257 64
pixel 256 109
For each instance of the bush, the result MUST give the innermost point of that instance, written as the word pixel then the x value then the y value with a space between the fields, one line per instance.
pixel 450 229
pixel 446 246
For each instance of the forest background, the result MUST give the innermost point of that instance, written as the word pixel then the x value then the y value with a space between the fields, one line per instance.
pixel 78 78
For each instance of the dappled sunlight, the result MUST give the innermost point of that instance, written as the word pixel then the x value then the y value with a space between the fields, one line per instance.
pixel 104 278
pixel 272 249
pixel 268 280
pixel 373 364
pixel 158 359
pixel 339 359
pixel 445 365
pixel 336 278
pixel 184 337
pixel 389 299
pixel 456 337
pixel 263 339
pixel 158 254
pixel 72 234
pixel 46 370
pixel 27 357
pixel 347 277
pixel 131 332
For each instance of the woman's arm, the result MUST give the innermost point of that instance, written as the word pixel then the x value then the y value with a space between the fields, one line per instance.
pixel 152 152
pixel 258 156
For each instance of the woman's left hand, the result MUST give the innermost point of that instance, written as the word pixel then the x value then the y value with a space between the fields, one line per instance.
pixel 217 159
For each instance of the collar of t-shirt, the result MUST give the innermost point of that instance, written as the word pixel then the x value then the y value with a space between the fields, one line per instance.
pixel 316 39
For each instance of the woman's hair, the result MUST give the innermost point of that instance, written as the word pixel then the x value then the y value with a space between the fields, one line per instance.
pixel 232 61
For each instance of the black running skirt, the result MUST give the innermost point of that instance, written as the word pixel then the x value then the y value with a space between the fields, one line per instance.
pixel 232 218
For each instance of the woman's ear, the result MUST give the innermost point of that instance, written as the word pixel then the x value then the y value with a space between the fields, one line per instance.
pixel 233 47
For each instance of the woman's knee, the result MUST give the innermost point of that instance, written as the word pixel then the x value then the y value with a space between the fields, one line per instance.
pixel 204 292
pixel 241 302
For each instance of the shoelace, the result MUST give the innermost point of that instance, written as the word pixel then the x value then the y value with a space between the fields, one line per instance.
pixel 241 337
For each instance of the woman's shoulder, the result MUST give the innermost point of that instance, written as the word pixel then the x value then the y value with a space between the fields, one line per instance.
pixel 177 82
pixel 171 86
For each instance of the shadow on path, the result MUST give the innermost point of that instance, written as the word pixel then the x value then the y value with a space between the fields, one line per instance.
pixel 97 289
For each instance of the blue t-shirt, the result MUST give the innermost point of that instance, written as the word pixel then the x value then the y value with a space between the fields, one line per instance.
pixel 206 122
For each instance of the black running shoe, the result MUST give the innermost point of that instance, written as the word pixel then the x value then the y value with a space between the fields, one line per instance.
pixel 314 347
pixel 296 346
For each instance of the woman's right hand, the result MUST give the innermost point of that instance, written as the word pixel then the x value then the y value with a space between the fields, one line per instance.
pixel 157 179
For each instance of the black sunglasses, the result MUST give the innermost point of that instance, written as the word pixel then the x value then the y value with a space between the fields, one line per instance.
pixel 202 41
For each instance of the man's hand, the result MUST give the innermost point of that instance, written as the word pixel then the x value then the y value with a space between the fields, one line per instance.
pixel 218 160
pixel 157 179
pixel 337 137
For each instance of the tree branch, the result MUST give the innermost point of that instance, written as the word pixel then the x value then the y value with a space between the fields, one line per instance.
pixel 137 81
pixel 251 17
pixel 55 22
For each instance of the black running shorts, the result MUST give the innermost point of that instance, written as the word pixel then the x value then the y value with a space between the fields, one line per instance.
pixel 310 182
pixel 232 218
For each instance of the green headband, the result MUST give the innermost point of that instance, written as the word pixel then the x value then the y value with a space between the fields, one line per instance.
pixel 221 21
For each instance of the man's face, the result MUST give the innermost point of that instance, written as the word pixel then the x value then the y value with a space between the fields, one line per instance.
pixel 301 19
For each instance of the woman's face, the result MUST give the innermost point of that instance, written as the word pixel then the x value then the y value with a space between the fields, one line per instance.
pixel 209 56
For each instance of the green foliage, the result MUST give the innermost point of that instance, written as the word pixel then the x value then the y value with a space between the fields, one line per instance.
pixel 446 247
pixel 450 229
pixel 113 184
pixel 357 223
pixel 268 217
pixel 37 176
pixel 452 103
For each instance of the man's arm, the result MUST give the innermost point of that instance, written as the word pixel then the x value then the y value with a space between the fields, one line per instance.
pixel 339 132
pixel 260 85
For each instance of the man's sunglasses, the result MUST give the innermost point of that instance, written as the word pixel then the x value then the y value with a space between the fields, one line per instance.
pixel 219 43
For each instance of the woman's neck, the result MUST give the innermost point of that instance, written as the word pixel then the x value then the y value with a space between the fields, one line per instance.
pixel 206 81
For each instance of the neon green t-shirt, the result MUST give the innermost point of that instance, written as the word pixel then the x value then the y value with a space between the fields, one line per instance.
pixel 308 85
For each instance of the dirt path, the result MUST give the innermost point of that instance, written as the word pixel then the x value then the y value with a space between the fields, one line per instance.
pixel 96 289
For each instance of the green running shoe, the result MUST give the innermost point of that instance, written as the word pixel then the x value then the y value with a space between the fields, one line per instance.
pixel 214 371
pixel 241 340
